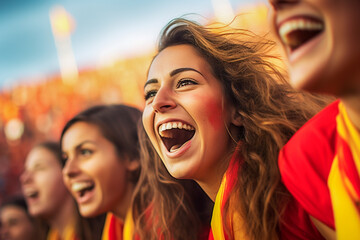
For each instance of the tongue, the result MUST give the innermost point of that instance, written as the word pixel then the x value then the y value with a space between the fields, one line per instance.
pixel 175 138
pixel 175 147
pixel 299 37
pixel 82 192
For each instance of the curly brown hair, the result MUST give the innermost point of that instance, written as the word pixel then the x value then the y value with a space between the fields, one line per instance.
pixel 271 112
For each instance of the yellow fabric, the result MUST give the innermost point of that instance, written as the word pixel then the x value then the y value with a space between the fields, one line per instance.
pixel 128 226
pixel 236 222
pixel 216 219
pixel 69 234
pixel 347 219
pixel 105 235
pixel 127 231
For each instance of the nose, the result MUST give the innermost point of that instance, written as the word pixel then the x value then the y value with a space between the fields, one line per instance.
pixel 71 168
pixel 25 177
pixel 278 4
pixel 163 100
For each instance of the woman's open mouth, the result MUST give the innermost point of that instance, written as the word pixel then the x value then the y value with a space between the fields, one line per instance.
pixel 83 190
pixel 297 31
pixel 31 194
pixel 175 134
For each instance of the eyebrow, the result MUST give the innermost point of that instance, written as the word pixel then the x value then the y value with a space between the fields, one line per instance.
pixel 179 70
pixel 80 145
pixel 173 73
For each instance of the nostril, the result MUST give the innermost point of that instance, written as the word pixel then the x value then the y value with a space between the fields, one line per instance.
pixel 70 171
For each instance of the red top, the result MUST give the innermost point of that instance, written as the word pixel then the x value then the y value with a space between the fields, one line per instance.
pixel 305 163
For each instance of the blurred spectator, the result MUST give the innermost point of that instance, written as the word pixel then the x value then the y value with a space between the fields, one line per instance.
pixel 16 223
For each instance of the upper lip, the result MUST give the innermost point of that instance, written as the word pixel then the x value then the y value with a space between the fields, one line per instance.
pixel 28 191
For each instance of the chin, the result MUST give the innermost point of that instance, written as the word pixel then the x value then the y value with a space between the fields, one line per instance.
pixel 88 212
pixel 316 80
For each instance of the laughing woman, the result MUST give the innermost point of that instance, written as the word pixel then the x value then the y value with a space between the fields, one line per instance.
pixel 218 112
pixel 321 164
pixel 101 153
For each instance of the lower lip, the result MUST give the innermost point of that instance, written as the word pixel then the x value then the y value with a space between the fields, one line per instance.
pixel 32 200
pixel 305 48
pixel 179 152
pixel 86 198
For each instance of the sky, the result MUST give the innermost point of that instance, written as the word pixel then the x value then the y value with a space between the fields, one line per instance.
pixel 105 30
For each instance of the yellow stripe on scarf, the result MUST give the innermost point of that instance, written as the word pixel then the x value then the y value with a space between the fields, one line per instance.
pixel 128 231
pixel 216 220
pixel 347 219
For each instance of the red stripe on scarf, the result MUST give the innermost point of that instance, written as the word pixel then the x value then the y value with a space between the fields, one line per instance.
pixel 231 178
pixel 348 169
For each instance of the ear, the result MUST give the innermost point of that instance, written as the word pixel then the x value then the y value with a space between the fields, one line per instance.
pixel 132 165
pixel 236 118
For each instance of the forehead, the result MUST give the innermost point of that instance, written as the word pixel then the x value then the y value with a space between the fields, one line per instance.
pixel 40 155
pixel 80 132
pixel 12 211
pixel 179 56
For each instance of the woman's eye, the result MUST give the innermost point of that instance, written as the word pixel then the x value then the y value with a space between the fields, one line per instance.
pixel 184 82
pixel 85 152
pixel 150 94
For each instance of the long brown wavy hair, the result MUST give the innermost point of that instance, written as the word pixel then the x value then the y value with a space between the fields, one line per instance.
pixel 271 111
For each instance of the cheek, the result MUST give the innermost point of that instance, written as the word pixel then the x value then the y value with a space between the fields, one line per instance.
pixel 54 184
pixel 214 113
pixel 147 120
pixel 210 110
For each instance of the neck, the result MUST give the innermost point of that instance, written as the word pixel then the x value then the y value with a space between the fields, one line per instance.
pixel 124 205
pixel 352 106
pixel 64 217
pixel 210 184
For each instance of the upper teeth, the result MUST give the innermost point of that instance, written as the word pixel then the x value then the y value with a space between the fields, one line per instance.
pixel 299 24
pixel 29 192
pixel 79 186
pixel 171 125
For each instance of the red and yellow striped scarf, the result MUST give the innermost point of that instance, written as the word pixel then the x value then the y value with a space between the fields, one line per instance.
pixel 236 231
pixel 344 178
pixel 116 229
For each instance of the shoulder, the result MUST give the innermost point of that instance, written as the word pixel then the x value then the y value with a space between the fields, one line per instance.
pixel 312 144
pixel 305 162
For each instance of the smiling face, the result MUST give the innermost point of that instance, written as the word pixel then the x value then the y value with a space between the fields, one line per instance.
pixel 184 115
pixel 15 224
pixel 94 173
pixel 321 38
pixel 42 183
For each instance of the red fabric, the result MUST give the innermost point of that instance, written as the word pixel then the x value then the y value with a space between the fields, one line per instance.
pixel 230 181
pixel 113 228
pixel 296 224
pixel 305 163
pixel 211 237
pixel 348 170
